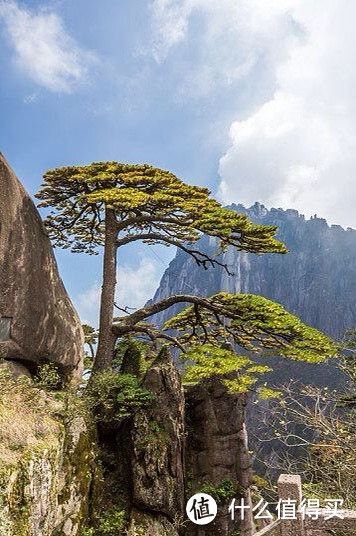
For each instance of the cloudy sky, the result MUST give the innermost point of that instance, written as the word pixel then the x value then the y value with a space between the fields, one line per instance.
pixel 253 98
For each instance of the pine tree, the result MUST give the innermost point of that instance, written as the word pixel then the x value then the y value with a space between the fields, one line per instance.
pixel 110 204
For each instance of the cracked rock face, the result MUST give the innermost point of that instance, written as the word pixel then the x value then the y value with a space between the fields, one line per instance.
pixel 38 322
pixel 217 451
pixel 158 449
pixel 47 493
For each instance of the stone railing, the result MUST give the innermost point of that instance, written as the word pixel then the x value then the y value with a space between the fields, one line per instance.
pixel 290 487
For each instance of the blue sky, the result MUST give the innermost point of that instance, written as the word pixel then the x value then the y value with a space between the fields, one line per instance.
pixel 254 99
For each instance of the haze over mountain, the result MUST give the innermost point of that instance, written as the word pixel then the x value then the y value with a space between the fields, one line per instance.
pixel 316 280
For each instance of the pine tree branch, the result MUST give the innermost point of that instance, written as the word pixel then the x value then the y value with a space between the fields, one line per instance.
pixel 202 259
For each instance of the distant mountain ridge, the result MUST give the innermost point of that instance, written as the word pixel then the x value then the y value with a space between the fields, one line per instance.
pixel 316 280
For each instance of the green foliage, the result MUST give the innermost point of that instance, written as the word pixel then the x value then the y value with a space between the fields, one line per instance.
pixel 259 482
pixel 131 396
pixel 112 396
pixel 48 377
pixel 90 334
pixel 112 521
pixel 240 385
pixel 211 361
pixel 140 202
pixel 314 490
pixel 223 492
pixel 255 323
pixel 90 339
pixel 115 204
pixel 155 427
pixel 87 532
pixel 146 200
pixel 155 436
pixel 252 322
pixel 266 393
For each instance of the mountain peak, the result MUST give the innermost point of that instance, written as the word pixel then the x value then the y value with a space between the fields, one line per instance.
pixel 316 280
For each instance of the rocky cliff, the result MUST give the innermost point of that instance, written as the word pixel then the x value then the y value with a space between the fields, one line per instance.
pixel 157 455
pixel 47 458
pixel 38 322
pixel 62 476
pixel 316 280
pixel 217 456
pixel 186 442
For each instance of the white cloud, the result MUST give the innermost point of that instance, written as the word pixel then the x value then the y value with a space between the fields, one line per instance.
pixel 172 19
pixel 293 144
pixel 42 49
pixel 170 22
pixel 30 99
pixel 225 41
pixel 299 148
pixel 135 286
pixel 87 305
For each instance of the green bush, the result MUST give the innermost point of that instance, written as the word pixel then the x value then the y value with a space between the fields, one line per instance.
pixel 48 377
pixel 222 493
pixel 112 521
pixel 131 396
pixel 112 396
pixel 87 532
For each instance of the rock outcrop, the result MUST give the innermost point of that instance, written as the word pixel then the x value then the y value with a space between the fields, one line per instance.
pixel 217 453
pixel 157 462
pixel 185 440
pixel 61 477
pixel 38 323
pixel 47 464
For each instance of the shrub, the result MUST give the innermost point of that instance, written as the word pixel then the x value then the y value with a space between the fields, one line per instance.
pixel 48 377
pixel 87 532
pixel 222 493
pixel 112 521
pixel 112 396
pixel 130 356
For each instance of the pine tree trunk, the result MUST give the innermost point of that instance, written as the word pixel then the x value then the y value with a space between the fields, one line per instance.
pixel 106 341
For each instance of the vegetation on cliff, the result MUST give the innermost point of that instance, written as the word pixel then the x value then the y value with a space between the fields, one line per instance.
pixel 47 458
pixel 110 205
pixel 313 430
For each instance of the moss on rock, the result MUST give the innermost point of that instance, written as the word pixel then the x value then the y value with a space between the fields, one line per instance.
pixel 46 461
